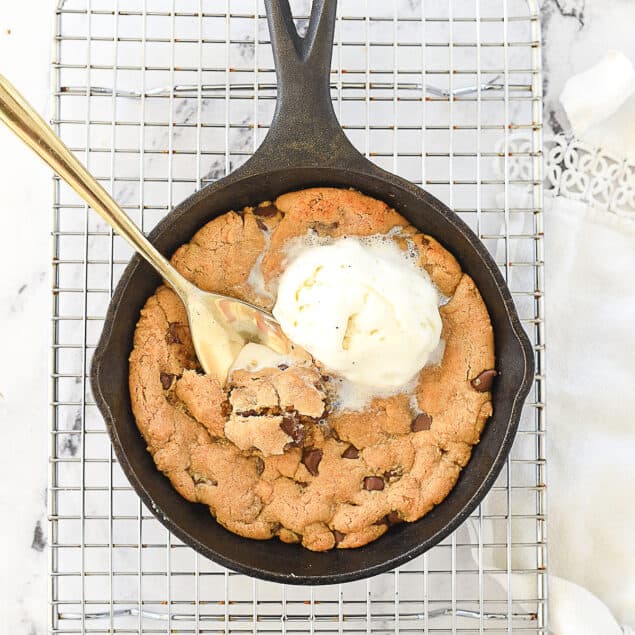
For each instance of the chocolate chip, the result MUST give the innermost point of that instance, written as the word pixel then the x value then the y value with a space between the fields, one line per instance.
pixel 374 483
pixel 260 465
pixel 351 452
pixel 339 536
pixel 173 334
pixel 283 366
pixel 298 436
pixel 166 380
pixel 262 225
pixel 484 381
pixel 294 429
pixel 393 518
pixel 311 459
pixel 266 211
pixel 421 422
pixel 288 425
pixel 390 519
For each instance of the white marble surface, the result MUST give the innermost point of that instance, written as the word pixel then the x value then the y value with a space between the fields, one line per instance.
pixel 25 191
pixel 576 33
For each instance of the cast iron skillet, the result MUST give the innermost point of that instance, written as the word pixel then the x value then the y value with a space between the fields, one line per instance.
pixel 306 147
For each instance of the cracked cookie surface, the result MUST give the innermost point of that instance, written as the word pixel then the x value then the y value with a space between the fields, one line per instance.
pixel 269 453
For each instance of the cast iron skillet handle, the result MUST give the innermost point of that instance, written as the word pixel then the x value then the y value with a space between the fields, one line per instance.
pixel 304 131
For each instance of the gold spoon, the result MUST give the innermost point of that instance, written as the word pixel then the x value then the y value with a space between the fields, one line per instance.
pixel 219 325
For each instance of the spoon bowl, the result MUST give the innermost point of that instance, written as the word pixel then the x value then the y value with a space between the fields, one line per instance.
pixel 220 327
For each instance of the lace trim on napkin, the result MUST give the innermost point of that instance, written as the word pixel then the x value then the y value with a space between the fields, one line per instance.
pixel 577 171
pixel 581 172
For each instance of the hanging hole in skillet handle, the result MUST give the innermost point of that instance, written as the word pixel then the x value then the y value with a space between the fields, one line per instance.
pixel 305 131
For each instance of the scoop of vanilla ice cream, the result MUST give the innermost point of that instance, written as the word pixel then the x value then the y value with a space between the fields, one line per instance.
pixel 361 307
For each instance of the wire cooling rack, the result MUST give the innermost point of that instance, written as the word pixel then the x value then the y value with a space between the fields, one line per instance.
pixel 160 97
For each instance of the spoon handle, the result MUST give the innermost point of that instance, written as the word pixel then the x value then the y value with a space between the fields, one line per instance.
pixel 21 118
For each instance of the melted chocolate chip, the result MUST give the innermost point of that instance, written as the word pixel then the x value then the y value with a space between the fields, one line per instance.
pixel 225 408
pixel 374 483
pixel 294 429
pixel 260 465
pixel 283 366
pixel 262 225
pixel 421 422
pixel 173 334
pixel 298 436
pixel 484 381
pixel 311 459
pixel 390 519
pixel 339 536
pixel 266 211
pixel 288 425
pixel 393 518
pixel 166 380
pixel 351 452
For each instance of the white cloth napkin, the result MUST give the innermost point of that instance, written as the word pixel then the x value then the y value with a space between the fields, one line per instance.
pixel 612 81
pixel 576 610
pixel 600 104
pixel 590 308
pixel 590 251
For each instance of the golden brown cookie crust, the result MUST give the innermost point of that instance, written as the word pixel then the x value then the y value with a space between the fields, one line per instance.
pixel 348 476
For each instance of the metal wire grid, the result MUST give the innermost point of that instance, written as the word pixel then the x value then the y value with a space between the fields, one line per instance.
pixel 160 97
